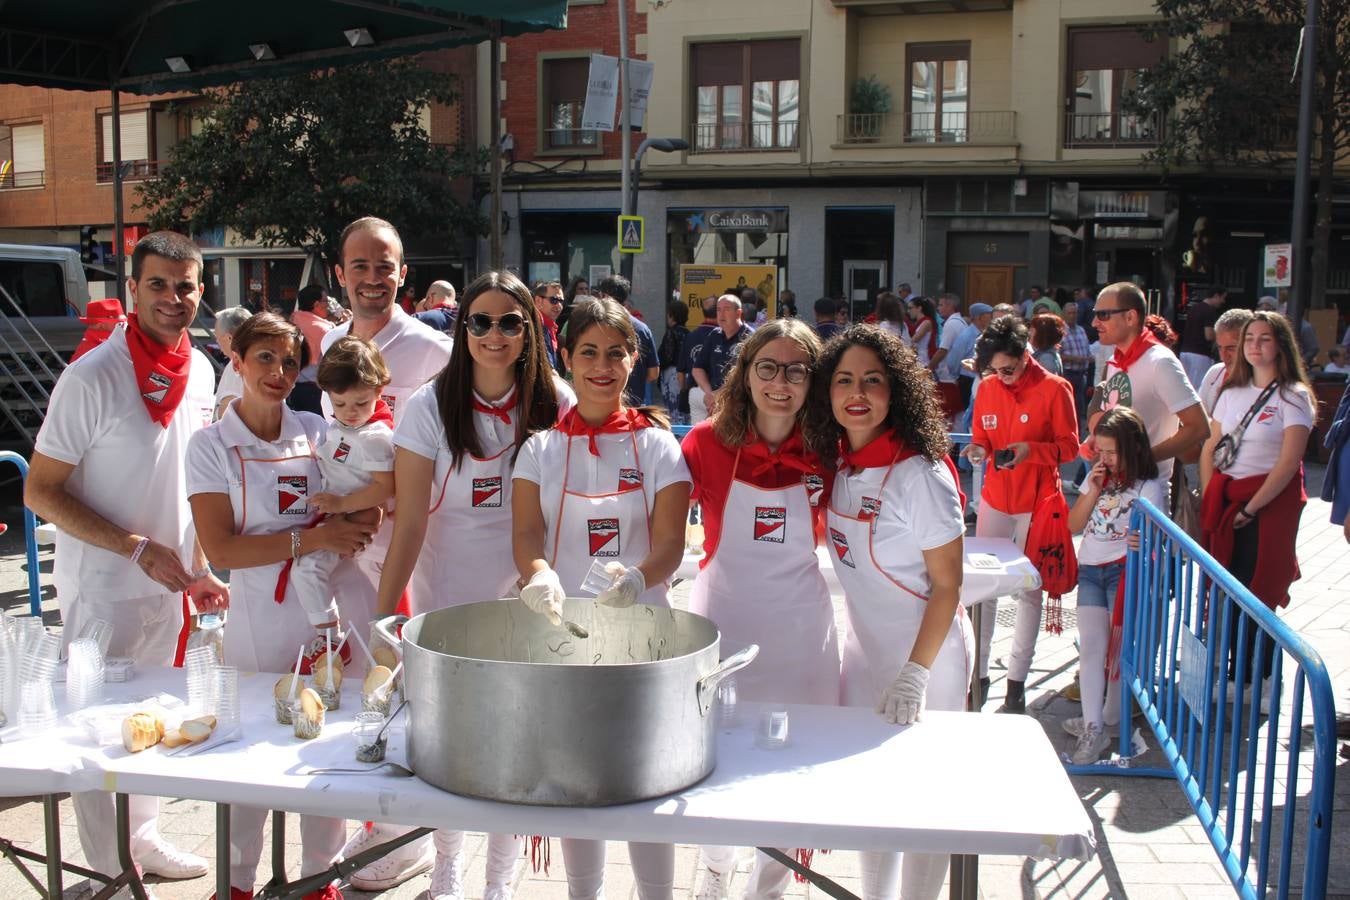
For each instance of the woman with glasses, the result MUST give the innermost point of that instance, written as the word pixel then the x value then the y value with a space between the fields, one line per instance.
pixel 454 451
pixel 608 483
pixel 760 491
pixel 1024 418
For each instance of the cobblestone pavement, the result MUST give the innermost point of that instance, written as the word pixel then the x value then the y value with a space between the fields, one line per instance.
pixel 1149 843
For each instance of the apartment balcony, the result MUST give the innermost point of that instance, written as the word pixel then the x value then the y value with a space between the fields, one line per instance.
pixel 1111 129
pixel 736 137
pixel 11 180
pixel 133 170
pixel 897 129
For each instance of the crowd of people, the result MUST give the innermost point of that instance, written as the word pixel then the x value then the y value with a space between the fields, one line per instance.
pixel 503 421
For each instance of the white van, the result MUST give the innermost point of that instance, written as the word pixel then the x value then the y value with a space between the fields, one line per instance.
pixel 51 286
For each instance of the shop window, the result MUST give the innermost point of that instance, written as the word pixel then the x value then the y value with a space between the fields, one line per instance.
pixel 1104 69
pixel 938 98
pixel 746 95
pixel 564 97
pixel 23 156
pixel 138 136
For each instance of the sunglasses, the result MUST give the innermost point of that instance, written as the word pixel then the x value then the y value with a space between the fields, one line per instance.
pixel 795 373
pixel 509 325
pixel 1005 371
pixel 1105 314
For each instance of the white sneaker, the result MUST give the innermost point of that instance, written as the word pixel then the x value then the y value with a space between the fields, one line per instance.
pixel 1090 746
pixel 447 882
pixel 1073 726
pixel 498 892
pixel 167 861
pixel 390 871
pixel 713 887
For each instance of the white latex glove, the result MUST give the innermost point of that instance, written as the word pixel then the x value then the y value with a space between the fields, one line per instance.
pixel 544 595
pixel 902 702
pixel 627 586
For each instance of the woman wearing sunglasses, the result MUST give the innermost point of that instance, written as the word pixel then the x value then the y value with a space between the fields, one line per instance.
pixel 454 451
pixel 1025 419
pixel 607 483
pixel 759 580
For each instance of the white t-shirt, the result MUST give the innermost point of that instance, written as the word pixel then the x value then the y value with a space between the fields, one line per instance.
pixel 1104 536
pixel 415 353
pixel 1260 446
pixel 659 462
pixel 231 385
pixel 128 468
pixel 951 330
pixel 1333 369
pixel 1209 386
pixel 1157 388
pixel 1101 355
pixel 349 456
pixel 920 509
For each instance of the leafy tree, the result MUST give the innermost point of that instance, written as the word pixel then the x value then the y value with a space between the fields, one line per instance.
pixel 290 161
pixel 1228 99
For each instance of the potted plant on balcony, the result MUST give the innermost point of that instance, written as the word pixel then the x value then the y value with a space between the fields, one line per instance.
pixel 868 104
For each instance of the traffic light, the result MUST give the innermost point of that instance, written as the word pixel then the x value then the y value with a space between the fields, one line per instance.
pixel 87 243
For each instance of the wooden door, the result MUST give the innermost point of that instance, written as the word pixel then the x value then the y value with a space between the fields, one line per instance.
pixel 989 284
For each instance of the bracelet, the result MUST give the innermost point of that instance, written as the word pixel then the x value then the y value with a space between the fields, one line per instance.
pixel 140 548
pixel 295 543
pixel 1246 513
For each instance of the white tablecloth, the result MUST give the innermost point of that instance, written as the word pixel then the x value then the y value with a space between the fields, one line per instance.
pixel 955 783
pixel 994 567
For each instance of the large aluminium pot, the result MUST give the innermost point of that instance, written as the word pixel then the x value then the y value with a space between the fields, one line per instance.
pixel 503 705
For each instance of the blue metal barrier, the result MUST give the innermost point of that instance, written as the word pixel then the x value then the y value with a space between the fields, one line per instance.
pixel 29 536
pixel 1184 616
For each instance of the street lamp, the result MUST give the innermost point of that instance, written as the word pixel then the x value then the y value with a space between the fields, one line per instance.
pixel 629 204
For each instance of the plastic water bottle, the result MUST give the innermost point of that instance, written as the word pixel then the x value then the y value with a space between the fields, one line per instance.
pixel 210 632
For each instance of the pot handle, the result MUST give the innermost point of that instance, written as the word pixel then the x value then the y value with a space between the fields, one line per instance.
pixel 707 685
pixel 387 629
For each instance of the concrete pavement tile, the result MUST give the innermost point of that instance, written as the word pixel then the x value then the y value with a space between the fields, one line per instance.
pixel 541 890
pixel 1160 873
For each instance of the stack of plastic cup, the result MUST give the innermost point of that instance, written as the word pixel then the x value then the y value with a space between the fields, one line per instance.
pixel 39 658
pixel 100 632
pixel 9 672
pixel 200 663
pixel 84 674
pixel 37 708
pixel 29 628
pixel 225 698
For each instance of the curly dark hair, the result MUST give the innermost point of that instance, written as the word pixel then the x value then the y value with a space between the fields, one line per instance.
pixel 1006 335
pixel 915 413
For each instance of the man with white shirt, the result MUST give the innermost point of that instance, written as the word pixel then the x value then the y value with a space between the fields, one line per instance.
pixel 949 311
pixel 1228 338
pixel 109 470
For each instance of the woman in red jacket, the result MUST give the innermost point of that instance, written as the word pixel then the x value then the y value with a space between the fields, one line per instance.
pixel 1024 418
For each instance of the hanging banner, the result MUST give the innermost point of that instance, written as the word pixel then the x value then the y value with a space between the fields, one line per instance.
pixel 1277 265
pixel 640 86
pixel 602 92
pixel 698 281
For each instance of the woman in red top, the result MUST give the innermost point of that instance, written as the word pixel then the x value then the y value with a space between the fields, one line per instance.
pixel 760 490
pixel 1024 417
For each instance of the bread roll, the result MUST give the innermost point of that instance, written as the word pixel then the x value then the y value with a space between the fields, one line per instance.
pixel 385 657
pixel 175 738
pixel 283 689
pixel 378 679
pixel 141 730
pixel 198 730
pixel 319 671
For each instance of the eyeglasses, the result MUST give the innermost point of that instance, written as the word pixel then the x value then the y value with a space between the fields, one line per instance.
pixel 508 325
pixel 1105 314
pixel 1006 371
pixel 795 373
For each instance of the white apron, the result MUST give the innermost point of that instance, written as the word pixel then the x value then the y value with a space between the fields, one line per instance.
pixel 762 585
pixel 883 621
pixel 612 527
pixel 466 554
pixel 272 495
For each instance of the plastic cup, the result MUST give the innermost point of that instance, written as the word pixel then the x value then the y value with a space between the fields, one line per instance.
pixel 225 696
pixel 100 632
pixel 331 697
pixel 305 729
pixel 728 713
pixel 597 579
pixel 773 729
pixel 377 701
pixel 370 744
pixel 84 674
pixel 37 708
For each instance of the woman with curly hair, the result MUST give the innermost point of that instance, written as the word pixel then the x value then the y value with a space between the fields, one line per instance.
pixel 1025 418
pixel 760 490
pixel 895 525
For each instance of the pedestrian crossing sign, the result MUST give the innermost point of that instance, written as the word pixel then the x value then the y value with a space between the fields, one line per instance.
pixel 632 234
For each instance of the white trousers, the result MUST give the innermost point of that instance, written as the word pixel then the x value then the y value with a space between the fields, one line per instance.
pixel 653 869
pixel 993 523
pixel 502 852
pixel 321 842
pixel 145 629
pixel 768 879
pixel 312 575
pixel 698 407
pixel 1100 697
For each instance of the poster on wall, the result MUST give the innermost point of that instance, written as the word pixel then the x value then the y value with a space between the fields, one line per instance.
pixel 698 281
pixel 1277 267
pixel 597 274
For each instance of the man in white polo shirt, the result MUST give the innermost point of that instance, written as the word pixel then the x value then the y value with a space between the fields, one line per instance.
pixel 109 471
pixel 371 272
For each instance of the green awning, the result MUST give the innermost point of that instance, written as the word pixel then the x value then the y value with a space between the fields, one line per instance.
pixel 86 44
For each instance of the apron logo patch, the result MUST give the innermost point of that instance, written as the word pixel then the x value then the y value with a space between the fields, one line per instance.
pixel 343 450
pixel 156 386
pixel 604 536
pixel 487 491
pixel 871 508
pixel 841 547
pixel 629 480
pixel 770 523
pixel 989 422
pixel 815 484
pixel 1266 414
pixel 293 495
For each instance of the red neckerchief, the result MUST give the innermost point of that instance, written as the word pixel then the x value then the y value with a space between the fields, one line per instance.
pixel 618 422
pixel 382 413
pixel 1122 360
pixel 884 449
pixel 792 454
pixel 502 412
pixel 161 372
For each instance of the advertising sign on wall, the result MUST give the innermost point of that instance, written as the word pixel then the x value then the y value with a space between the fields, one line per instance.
pixel 1277 266
pixel 698 281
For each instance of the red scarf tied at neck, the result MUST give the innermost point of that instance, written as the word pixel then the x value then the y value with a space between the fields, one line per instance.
pixel 502 412
pixel 885 449
pixel 161 372
pixel 619 422
pixel 791 454
pixel 1123 359
pixel 382 413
